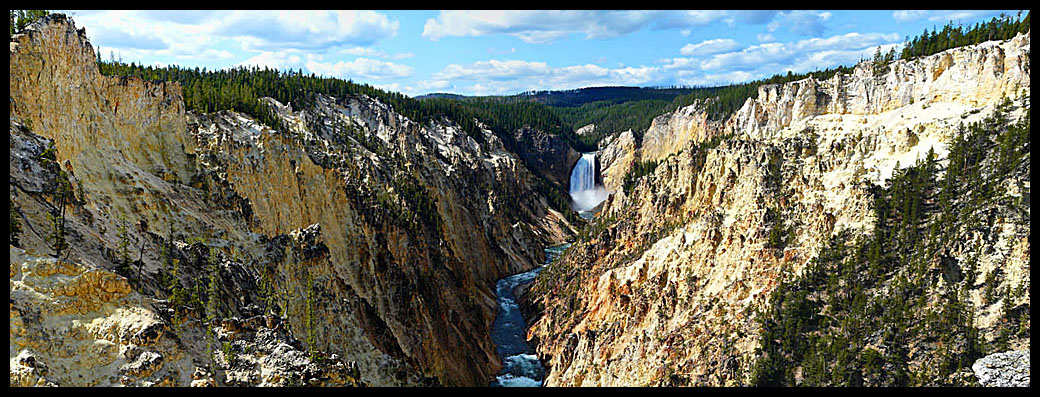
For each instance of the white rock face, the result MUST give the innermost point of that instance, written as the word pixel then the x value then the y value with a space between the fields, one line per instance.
pixel 960 79
pixel 585 130
pixel 1008 369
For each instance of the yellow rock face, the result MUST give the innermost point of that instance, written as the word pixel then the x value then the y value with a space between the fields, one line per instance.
pixel 407 307
pixel 81 327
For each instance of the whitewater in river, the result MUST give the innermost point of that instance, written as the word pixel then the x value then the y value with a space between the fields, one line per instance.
pixel 584 191
pixel 520 365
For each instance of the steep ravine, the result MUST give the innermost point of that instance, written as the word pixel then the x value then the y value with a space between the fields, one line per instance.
pixel 309 251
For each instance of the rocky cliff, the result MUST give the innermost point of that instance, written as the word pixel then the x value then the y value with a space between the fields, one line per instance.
pixel 357 247
pixel 664 287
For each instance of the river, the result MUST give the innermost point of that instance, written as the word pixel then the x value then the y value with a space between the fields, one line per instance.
pixel 520 364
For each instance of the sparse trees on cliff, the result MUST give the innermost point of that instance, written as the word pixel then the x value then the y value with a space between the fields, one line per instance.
pixel 123 246
pixel 22 18
pixel 871 300
pixel 15 227
pixel 930 42
pixel 61 197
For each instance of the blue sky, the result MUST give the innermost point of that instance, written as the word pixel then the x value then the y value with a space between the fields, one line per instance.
pixel 506 52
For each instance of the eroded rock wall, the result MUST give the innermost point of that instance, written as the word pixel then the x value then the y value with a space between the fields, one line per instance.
pixel 664 288
pixel 357 247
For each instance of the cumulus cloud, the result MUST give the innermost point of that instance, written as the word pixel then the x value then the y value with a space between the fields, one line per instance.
pixel 755 17
pixel 371 52
pixel 541 26
pixel 958 15
pixel 853 40
pixel 281 60
pixel 122 39
pixel 755 56
pixel 750 58
pixel 535 26
pixel 909 15
pixel 690 78
pixel 766 59
pixel 208 54
pixel 303 29
pixel 690 18
pixel 804 22
pixel 188 17
pixel 268 37
pixel 494 70
pixel 511 76
pixel 709 47
pixel 365 68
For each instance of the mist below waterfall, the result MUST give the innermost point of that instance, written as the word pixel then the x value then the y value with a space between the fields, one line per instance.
pixel 584 191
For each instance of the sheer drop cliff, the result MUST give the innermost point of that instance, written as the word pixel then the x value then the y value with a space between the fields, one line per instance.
pixel 160 246
pixel 713 268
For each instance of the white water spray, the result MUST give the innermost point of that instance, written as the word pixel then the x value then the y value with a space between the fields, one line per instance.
pixel 584 192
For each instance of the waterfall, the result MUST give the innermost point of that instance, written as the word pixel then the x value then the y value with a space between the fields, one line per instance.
pixel 584 192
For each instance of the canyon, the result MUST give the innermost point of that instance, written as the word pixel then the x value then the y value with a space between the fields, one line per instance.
pixel 162 246
pixel 371 239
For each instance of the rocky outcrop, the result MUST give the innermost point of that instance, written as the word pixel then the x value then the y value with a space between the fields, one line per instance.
pixel 73 324
pixel 356 247
pixel 940 85
pixel 616 155
pixel 1008 369
pixel 663 289
pixel 77 325
pixel 585 130
pixel 670 132
pixel 547 154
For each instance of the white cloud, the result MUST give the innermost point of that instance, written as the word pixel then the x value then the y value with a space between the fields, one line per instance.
pixel 681 63
pixel 268 37
pixel 908 15
pixel 691 18
pixel 535 26
pixel 187 17
pixel 804 22
pixel 511 76
pixel 276 60
pixel 371 52
pixel 958 15
pixel 493 70
pixel 756 56
pixel 304 29
pixel 366 68
pixel 765 37
pixel 124 39
pixel 766 59
pixel 713 80
pixel 756 17
pixel 749 58
pixel 709 47
pixel 205 55
pixel 429 85
pixel 846 41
